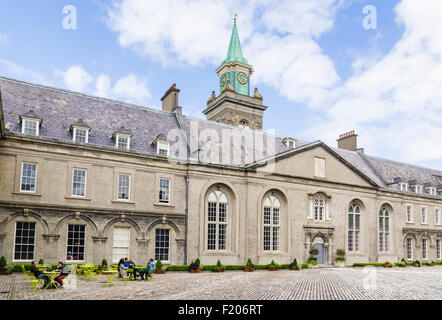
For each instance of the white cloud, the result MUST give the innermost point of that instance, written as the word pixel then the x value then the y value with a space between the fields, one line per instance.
pixel 11 69
pixel 395 103
pixel 75 78
pixel 132 88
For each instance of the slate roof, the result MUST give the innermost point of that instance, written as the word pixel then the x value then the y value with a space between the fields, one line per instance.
pixel 60 109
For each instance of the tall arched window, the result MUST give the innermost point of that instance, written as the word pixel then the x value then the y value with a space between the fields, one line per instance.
pixel 409 247
pixel 272 224
pixel 354 227
pixel 217 221
pixel 384 230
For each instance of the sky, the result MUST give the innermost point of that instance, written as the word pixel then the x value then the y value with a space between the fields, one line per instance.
pixel 324 67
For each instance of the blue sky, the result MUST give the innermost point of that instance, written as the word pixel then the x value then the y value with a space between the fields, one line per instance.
pixel 320 71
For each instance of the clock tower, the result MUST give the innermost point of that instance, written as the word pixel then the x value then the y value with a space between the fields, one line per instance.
pixel 234 105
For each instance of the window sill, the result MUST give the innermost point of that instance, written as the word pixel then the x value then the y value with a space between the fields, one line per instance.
pixel 77 198
pixel 123 201
pixel 21 193
pixel 159 204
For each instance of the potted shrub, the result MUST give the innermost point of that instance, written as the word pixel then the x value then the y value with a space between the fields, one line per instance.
pixel 250 267
pixel 388 265
pixel 431 264
pixel 104 266
pixel 313 260
pixel 41 262
pixel 159 268
pixel 340 258
pixel 294 265
pixel 417 264
pixel 4 267
pixel 403 263
pixel 219 267
pixel 273 266
pixel 195 267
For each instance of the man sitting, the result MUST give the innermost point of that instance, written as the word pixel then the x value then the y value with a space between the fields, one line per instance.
pixel 39 274
pixel 134 271
pixel 149 270
pixel 64 272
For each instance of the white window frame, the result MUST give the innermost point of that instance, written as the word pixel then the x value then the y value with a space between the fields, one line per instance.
pixel 438 250
pixel 15 234
pixel 403 187
pixel 220 199
pixel 409 215
pixel 316 216
pixel 385 233
pixel 418 189
pixel 123 136
pixel 161 189
pixel 37 126
pixel 67 244
pixel 118 186
pixel 354 232
pixel 272 204
pixel 320 167
pixel 74 134
pixel 162 145
pixel 424 215
pixel 168 242
pixel 409 249
pixel 114 247
pixel 35 178
pixel 424 249
pixel 85 183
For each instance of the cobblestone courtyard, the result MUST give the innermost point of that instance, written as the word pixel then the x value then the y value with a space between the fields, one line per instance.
pixel 326 283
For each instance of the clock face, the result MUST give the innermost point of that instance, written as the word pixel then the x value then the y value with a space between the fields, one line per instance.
pixel 242 78
pixel 223 80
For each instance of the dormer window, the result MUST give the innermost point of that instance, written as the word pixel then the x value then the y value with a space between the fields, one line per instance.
pixel 403 186
pixel 122 139
pixel 30 124
pixel 289 143
pixel 418 189
pixel 80 132
pixel 162 145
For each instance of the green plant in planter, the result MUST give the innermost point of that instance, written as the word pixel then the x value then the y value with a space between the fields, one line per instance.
pixel 417 264
pixel 388 265
pixel 195 266
pixel 159 267
pixel 340 255
pixel 219 267
pixel 273 266
pixel 403 263
pixel 294 265
pixel 3 263
pixel 104 264
pixel 41 262
pixel 249 266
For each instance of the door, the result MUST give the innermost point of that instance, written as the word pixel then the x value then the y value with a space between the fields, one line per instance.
pixel 320 256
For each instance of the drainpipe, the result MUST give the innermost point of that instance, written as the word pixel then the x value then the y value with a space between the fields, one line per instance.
pixel 187 219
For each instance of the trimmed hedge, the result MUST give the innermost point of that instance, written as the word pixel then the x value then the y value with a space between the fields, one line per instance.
pixel 177 268
pixel 368 264
pixel 304 266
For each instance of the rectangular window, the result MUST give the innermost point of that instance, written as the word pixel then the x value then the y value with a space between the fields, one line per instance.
pixel 276 216
pixel 162 245
pixel 164 191
pixel 409 249
pixel 79 183
pixel 212 212
pixel 163 148
pixel 409 214
pixel 276 238
pixel 222 236
pixel 123 142
pixel 437 216
pixel 30 127
pixel 424 215
pixel 76 242
pixel 266 215
pixel 123 186
pixel 121 244
pixel 24 241
pixel 81 135
pixel 438 250
pixel 424 249
pixel 356 240
pixel 211 236
pixel 28 177
pixel 266 238
pixel 350 241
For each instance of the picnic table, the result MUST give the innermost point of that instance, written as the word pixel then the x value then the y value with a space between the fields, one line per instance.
pixel 109 274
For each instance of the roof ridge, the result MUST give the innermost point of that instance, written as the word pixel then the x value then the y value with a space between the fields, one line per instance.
pixel 89 96
pixel 407 164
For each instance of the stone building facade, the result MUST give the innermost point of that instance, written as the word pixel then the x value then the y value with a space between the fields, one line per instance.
pixel 84 178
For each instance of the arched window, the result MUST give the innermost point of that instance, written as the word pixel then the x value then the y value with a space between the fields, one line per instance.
pixel 409 247
pixel 272 224
pixel 319 203
pixel 354 227
pixel 384 230
pixel 217 221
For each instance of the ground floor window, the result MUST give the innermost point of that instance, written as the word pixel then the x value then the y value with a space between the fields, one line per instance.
pixel 121 244
pixel 76 242
pixel 409 249
pixel 24 241
pixel 162 244
pixel 438 250
pixel 424 249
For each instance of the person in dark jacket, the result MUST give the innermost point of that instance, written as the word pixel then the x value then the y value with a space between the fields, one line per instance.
pixel 39 274
pixel 122 269
pixel 64 272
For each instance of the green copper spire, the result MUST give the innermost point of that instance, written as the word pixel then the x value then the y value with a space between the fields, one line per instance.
pixel 235 52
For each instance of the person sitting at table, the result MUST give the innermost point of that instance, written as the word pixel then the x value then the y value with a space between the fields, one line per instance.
pixel 64 272
pixel 132 265
pixel 149 269
pixel 39 274
pixel 122 268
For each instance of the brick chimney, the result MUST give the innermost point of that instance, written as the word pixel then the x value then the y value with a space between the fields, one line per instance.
pixel 170 99
pixel 348 141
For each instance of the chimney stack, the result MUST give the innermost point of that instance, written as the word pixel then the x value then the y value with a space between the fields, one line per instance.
pixel 348 141
pixel 170 99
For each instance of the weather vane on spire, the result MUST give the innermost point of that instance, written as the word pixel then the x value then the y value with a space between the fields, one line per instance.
pixel 234 19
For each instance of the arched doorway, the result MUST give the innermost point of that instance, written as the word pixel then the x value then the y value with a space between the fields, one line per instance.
pixel 318 243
